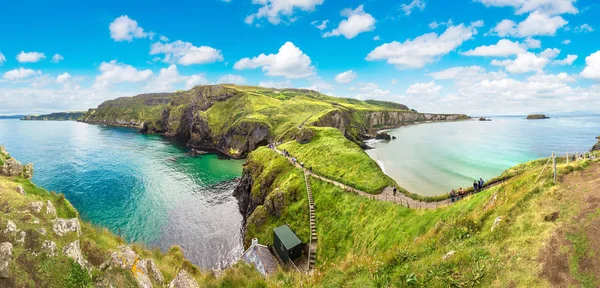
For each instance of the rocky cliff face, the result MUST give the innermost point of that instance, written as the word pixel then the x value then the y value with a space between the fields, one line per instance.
pixel 597 145
pixel 399 118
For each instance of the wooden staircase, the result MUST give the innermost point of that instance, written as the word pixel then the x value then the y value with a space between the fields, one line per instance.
pixel 312 252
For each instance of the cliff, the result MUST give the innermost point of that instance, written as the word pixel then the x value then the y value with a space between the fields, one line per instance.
pixel 61 116
pixel 237 119
pixel 596 146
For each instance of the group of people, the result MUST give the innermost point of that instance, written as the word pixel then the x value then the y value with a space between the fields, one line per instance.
pixel 461 193
pixel 294 159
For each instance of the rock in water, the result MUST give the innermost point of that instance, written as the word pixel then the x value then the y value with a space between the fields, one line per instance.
pixel 12 167
pixel 50 210
pixel 383 136
pixel 5 259
pixel 64 226
pixel 36 207
pixel 20 190
pixel 183 280
pixel 28 171
pixel 74 252
pixel 49 247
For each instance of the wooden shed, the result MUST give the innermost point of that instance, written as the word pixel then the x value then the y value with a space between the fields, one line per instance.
pixel 286 243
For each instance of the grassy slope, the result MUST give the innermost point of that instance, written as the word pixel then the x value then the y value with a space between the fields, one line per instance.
pixel 367 243
pixel 331 155
pixel 61 116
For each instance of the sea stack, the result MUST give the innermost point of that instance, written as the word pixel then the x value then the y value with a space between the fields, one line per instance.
pixel 537 116
pixel 597 145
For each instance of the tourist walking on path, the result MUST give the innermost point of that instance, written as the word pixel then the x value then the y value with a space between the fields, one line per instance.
pixel 475 185
pixel 453 195
pixel 481 182
pixel 461 193
pixel 395 190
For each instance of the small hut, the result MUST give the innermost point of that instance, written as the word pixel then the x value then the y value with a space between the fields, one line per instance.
pixel 286 243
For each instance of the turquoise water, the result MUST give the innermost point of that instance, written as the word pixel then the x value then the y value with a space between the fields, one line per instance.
pixel 432 158
pixel 143 187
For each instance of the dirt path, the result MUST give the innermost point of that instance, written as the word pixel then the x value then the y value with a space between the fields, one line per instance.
pixel 571 257
pixel 386 195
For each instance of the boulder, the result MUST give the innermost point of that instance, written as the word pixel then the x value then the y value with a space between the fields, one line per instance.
pixel 28 171
pixel 12 167
pixel 304 135
pixel 41 230
pixel 125 258
pixel 383 136
pixel 183 280
pixel 3 150
pixel 448 255
pixel 73 251
pixel 36 207
pixel 11 227
pixel 155 272
pixel 5 259
pixel 496 222
pixel 50 210
pixel 21 238
pixel 49 247
pixel 20 190
pixel 195 152
pixel 64 226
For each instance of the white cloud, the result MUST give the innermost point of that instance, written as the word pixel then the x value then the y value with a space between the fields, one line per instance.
pixel 275 11
pixel 290 62
pixel 567 61
pixel 592 68
pixel 394 81
pixel 584 28
pixel 503 48
pixel 321 26
pixel 20 73
pixel 415 4
pixel 185 53
pixel 196 79
pixel 113 72
pixel 433 25
pixel 30 57
pixel 62 78
pixel 57 58
pixel 566 42
pixel 358 21
pixel 166 78
pixel 550 53
pixel 317 84
pixel 276 84
pixel 424 88
pixel 533 43
pixel 551 7
pixel 536 24
pixel 370 90
pixel 377 38
pixel 232 79
pixel 551 78
pixel 424 49
pixel 124 28
pixel 346 77
pixel 2 59
pixel 526 62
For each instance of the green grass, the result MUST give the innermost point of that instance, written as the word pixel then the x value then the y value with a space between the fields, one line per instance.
pixel 333 156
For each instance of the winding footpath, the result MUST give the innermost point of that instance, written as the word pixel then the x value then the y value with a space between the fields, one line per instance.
pixel 386 195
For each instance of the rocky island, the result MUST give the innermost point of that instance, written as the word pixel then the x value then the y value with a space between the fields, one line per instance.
pixel 537 117
pixel 60 116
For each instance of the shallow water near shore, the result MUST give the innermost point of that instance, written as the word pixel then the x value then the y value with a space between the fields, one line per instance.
pixel 432 158
pixel 142 187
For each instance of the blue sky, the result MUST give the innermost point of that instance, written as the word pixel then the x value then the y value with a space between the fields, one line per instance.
pixel 475 57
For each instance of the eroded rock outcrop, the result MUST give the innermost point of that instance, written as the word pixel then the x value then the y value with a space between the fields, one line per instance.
pixel 36 207
pixel 11 227
pixel 64 226
pixel 20 190
pixel 12 167
pixel 73 251
pixel 50 210
pixel 49 247
pixel 597 145
pixel 5 259
pixel 183 280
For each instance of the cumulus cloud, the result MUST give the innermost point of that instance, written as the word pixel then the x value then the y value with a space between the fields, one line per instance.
pixel 369 90
pixel 317 84
pixel 526 62
pixel 533 43
pixel 346 77
pixel 592 66
pixel 290 62
pixel 276 11
pixel 20 73
pixel 551 7
pixel 566 42
pixel 424 88
pixel 185 53
pixel 584 28
pixel 276 84
pixel 165 79
pixel 536 24
pixel 62 78
pixel 30 57
pixel 124 28
pixel 357 21
pixel 427 48
pixel 415 4
pixel 231 79
pixel 113 72
pixel 503 48
pixel 57 58
pixel 2 59
pixel 196 79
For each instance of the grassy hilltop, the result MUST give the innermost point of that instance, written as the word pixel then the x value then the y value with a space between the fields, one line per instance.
pixel 237 119
pixel 60 116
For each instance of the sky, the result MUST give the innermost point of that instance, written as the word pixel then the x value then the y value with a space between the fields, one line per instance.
pixel 479 57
